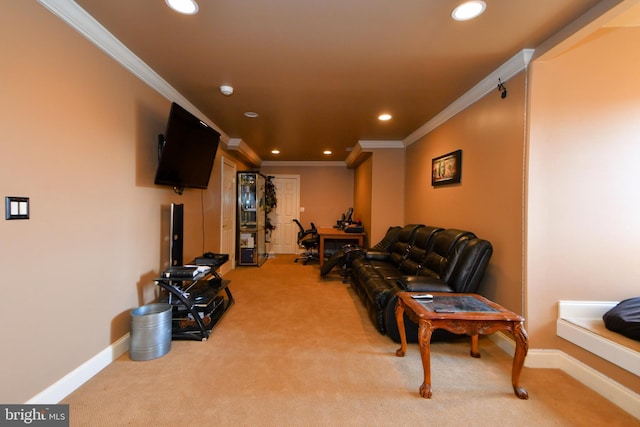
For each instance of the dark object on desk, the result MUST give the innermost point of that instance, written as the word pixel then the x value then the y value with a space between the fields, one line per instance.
pixel 347 219
pixel 624 318
pixel 309 240
pixel 354 228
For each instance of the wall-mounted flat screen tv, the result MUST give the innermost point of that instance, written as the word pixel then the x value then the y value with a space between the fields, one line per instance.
pixel 186 151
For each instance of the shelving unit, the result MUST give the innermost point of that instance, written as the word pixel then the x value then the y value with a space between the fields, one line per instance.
pixel 251 238
pixel 198 302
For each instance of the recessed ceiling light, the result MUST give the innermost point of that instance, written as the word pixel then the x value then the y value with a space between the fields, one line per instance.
pixel 251 114
pixel 384 117
pixel 188 7
pixel 275 151
pixel 468 10
pixel 326 152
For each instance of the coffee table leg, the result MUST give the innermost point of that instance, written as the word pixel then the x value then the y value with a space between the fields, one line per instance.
pixel 403 336
pixel 475 352
pixel 522 346
pixel 424 339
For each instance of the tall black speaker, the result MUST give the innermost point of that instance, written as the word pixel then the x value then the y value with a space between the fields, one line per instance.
pixel 177 228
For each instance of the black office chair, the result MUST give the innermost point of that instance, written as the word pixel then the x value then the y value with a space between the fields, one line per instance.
pixel 309 240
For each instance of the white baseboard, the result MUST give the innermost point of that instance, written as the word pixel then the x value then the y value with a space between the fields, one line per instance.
pixel 74 379
pixel 556 359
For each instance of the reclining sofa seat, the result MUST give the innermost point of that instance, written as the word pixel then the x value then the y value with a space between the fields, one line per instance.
pixel 374 273
pixel 345 255
pixel 428 259
pixel 456 263
pixel 391 236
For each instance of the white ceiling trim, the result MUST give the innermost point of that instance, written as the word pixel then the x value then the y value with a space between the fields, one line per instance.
pixel 353 156
pixel 77 18
pixel 372 145
pixel 490 83
pixel 365 146
pixel 237 144
pixel 314 163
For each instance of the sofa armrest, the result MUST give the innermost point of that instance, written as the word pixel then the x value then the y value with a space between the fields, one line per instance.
pixel 375 255
pixel 422 284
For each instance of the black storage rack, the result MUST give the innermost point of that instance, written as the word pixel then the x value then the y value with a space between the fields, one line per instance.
pixel 198 302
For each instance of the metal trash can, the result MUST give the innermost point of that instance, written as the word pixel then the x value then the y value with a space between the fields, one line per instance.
pixel 150 331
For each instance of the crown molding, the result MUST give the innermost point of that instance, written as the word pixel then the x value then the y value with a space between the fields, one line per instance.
pixel 237 144
pixel 372 145
pixel 367 146
pixel 507 70
pixel 353 157
pixel 310 163
pixel 92 30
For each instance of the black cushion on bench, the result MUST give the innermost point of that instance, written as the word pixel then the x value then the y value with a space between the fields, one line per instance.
pixel 624 318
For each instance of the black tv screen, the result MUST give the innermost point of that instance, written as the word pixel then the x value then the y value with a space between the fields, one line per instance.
pixel 187 151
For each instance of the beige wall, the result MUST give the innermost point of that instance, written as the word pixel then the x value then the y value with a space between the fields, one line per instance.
pixel 488 201
pixel 362 195
pixel 379 185
pixel 387 191
pixel 584 192
pixel 325 191
pixel 79 139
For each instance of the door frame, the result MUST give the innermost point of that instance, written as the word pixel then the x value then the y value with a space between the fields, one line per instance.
pixel 230 265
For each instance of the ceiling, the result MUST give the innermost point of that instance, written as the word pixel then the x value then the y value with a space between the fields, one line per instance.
pixel 319 72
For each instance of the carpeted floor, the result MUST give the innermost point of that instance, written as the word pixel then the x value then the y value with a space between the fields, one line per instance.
pixel 298 350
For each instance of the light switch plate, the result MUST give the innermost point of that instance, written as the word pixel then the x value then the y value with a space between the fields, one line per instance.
pixel 16 207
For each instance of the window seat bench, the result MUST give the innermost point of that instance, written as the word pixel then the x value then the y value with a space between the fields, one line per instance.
pixel 580 322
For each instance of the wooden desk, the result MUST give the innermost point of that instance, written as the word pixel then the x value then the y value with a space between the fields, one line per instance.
pixel 468 314
pixel 336 234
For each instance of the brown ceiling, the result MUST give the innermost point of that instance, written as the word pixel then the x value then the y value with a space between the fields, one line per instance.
pixel 319 72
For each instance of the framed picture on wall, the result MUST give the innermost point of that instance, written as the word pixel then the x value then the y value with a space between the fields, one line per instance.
pixel 446 169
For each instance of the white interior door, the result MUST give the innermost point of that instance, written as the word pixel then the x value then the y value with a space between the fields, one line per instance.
pixel 284 237
pixel 228 214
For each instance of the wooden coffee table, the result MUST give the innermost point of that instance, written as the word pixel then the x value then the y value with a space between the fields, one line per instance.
pixel 469 314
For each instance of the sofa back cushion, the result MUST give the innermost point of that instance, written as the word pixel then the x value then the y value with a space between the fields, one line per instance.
pixel 389 239
pixel 400 248
pixel 470 265
pixel 447 246
pixel 422 244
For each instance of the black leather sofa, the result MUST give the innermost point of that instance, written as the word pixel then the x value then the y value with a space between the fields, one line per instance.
pixel 417 258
